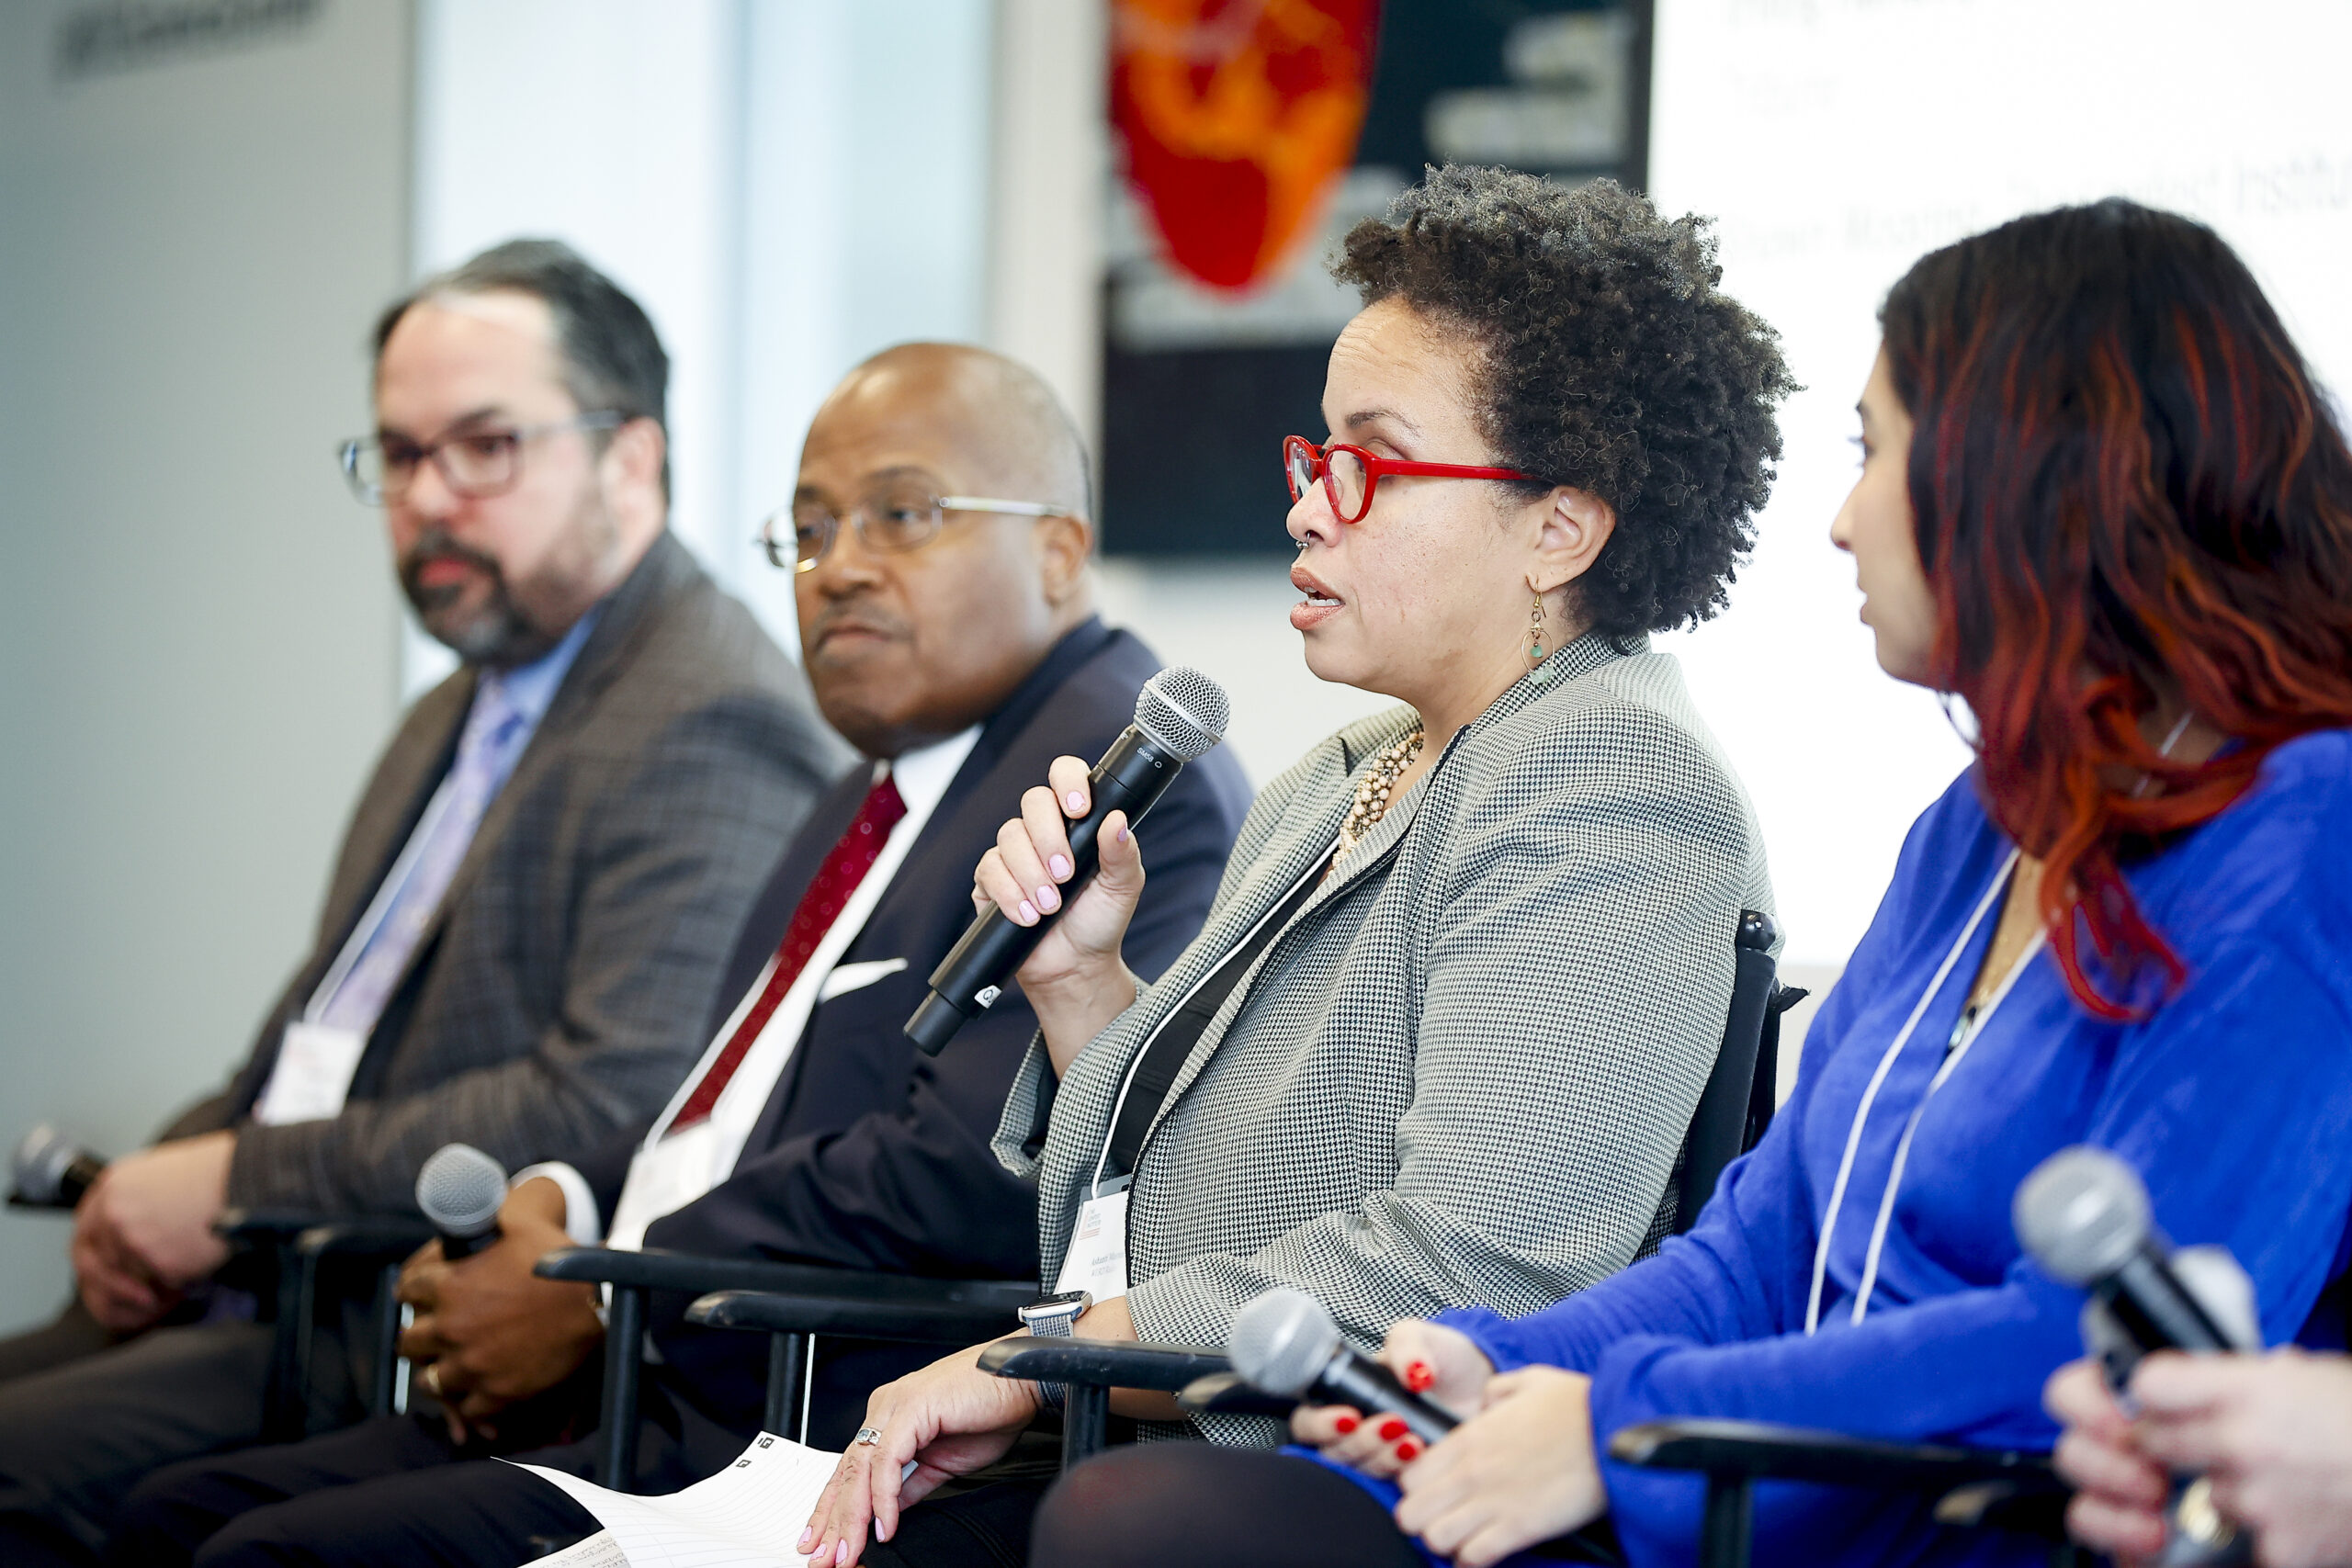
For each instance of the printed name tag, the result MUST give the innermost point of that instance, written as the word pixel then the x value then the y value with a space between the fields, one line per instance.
pixel 1097 1258
pixel 313 1076
pixel 662 1180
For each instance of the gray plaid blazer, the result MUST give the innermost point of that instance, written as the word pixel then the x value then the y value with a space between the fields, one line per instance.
pixel 1463 1073
pixel 562 988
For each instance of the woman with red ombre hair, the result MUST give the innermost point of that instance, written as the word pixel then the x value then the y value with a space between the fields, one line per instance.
pixel 2103 503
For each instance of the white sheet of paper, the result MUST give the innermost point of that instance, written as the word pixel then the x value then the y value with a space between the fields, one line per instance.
pixel 1097 1258
pixel 748 1516
pixel 599 1551
pixel 312 1076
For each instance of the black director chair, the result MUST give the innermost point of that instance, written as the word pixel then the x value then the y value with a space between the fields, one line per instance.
pixel 1731 1113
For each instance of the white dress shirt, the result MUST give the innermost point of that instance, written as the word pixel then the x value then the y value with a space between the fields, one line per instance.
pixel 923 777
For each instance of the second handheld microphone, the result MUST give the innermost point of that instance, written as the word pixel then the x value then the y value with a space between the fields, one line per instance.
pixel 1180 715
pixel 1286 1344
pixel 459 1189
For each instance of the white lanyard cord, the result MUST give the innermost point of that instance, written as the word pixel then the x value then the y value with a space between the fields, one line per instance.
pixel 1135 1063
pixel 1870 1094
pixel 1903 1146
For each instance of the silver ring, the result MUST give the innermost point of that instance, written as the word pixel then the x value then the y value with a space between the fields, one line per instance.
pixel 869 1435
pixel 431 1378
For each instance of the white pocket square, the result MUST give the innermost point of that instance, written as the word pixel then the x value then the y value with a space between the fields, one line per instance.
pixel 848 977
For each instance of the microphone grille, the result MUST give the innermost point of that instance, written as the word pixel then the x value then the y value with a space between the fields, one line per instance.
pixel 459 1189
pixel 1183 711
pixel 40 1163
pixel 2081 1215
pixel 1281 1340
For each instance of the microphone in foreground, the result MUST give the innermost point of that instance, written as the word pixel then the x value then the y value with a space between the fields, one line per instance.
pixel 2083 1215
pixel 1286 1344
pixel 460 1190
pixel 1180 715
pixel 52 1170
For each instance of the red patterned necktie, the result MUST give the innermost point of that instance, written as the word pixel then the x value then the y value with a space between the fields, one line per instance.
pixel 845 866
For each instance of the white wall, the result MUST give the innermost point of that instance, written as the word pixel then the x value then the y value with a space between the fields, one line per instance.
pixel 1836 141
pixel 787 185
pixel 196 618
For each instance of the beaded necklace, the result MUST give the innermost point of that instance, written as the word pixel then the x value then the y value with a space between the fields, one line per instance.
pixel 1372 796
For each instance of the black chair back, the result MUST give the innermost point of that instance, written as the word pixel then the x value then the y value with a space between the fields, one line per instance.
pixel 1737 1103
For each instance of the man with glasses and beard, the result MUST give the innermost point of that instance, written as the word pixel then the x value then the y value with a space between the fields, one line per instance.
pixel 530 910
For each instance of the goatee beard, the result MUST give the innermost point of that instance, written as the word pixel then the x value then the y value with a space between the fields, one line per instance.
pixel 496 635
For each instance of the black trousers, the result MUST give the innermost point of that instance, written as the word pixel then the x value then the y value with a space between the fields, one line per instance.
pixel 1181 1505
pixel 393 1492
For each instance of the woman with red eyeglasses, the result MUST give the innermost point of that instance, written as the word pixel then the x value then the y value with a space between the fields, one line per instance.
pixel 1440 1038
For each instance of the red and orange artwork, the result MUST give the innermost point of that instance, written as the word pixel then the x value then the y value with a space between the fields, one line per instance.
pixel 1238 116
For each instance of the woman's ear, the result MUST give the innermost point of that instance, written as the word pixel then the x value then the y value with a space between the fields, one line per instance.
pixel 1577 525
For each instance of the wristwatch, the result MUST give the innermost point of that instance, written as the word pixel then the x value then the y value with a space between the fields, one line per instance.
pixel 1052 1317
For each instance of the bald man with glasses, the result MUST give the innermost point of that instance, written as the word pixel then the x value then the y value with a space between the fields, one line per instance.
pixel 949 632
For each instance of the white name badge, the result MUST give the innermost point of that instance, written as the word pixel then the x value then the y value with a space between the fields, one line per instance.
pixel 662 1180
pixel 1097 1258
pixel 313 1076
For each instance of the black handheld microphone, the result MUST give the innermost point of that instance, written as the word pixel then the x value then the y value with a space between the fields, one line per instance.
pixel 459 1189
pixel 52 1170
pixel 2083 1214
pixel 1180 715
pixel 1286 1344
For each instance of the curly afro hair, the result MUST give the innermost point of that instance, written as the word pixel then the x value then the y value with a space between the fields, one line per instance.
pixel 1608 360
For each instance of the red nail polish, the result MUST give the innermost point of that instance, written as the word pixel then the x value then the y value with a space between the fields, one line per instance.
pixel 1418 1376
pixel 1408 1451
pixel 1347 1424
pixel 1392 1429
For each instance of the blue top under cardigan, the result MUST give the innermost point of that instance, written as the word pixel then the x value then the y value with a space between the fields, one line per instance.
pixel 2235 1101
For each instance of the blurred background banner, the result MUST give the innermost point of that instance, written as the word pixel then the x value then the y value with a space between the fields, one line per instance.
pixel 1237 116
pixel 208 201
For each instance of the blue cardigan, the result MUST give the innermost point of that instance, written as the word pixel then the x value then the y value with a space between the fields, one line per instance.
pixel 2235 1101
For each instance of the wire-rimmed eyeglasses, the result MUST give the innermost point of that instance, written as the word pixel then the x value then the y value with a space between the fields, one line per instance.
pixel 1349 474
pixel 798 535
pixel 477 463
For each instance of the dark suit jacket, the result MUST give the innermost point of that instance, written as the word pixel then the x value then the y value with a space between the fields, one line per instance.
pixel 560 992
pixel 869 1152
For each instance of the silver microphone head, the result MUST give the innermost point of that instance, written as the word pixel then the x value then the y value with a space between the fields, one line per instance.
pixel 2081 1215
pixel 1282 1340
pixel 459 1189
pixel 41 1161
pixel 1183 711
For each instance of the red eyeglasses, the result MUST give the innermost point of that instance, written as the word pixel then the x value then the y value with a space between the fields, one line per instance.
pixel 1349 474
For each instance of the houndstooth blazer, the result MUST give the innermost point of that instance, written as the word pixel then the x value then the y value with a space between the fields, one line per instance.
pixel 1463 1072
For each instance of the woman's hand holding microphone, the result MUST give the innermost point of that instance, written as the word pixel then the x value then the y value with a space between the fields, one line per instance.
pixel 1076 979
pixel 1518 1470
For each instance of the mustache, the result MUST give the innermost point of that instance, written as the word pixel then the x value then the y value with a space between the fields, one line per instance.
pixel 436 545
pixel 856 612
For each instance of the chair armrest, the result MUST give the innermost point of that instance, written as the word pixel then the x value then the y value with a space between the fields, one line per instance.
pixel 386 1235
pixel 695 1274
pixel 262 1227
pixel 1101 1363
pixel 1757 1450
pixel 940 1322
pixel 1225 1394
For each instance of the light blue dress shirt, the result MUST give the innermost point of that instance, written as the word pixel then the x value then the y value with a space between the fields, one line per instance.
pixel 507 707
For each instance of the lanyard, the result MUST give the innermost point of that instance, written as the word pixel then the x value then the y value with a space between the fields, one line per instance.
pixel 1870 1096
pixel 1164 1050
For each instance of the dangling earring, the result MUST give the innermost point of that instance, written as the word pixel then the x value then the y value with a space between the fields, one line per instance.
pixel 1535 635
